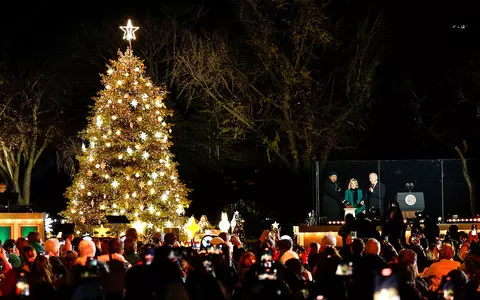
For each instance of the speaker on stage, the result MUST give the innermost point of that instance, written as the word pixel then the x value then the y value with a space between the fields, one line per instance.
pixel 411 201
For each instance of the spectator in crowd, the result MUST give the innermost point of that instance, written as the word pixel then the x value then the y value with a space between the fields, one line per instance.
pixel 347 228
pixel 131 254
pixel 367 268
pixel 132 234
pixel 52 250
pixel 441 268
pixel 13 253
pixel 394 228
pixel 35 241
pixel 408 257
pixel 329 239
pixel 285 247
pixel 314 255
pixel 431 230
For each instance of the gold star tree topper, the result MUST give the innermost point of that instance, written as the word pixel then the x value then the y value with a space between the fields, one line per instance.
pixel 129 31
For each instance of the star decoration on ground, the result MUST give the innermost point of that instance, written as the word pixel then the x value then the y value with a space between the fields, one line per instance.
pixel 192 227
pixel 129 31
pixel 142 184
pixel 134 103
pixel 101 231
pixel 103 165
pixel 90 173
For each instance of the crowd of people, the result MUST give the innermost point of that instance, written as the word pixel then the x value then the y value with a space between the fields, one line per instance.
pixel 368 265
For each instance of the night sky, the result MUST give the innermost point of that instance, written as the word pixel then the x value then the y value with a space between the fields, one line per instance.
pixel 422 45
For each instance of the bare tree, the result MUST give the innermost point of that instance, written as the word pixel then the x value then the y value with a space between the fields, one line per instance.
pixel 27 128
pixel 439 124
pixel 289 95
pixel 286 85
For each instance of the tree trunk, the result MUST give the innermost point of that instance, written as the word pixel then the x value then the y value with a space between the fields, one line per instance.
pixel 27 179
pixel 290 129
pixel 468 179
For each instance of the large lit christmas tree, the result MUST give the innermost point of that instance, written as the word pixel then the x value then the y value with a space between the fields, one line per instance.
pixel 126 168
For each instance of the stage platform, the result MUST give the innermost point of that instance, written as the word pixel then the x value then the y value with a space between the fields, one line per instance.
pixel 308 234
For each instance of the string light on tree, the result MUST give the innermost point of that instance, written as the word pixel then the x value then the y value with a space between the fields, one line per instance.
pixel 124 167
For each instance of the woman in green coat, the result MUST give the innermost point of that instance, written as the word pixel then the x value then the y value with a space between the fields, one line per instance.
pixel 354 196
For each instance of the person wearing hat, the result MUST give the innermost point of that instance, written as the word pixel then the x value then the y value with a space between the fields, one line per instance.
pixel 332 206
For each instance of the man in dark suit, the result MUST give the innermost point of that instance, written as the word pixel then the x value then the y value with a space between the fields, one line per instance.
pixel 332 206
pixel 375 195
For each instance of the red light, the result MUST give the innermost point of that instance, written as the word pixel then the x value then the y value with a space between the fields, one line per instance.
pixel 386 272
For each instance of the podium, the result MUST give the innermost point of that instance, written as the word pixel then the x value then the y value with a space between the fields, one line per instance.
pixel 349 210
pixel 410 203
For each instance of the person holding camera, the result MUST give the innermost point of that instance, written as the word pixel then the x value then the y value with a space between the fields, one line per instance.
pixel 84 278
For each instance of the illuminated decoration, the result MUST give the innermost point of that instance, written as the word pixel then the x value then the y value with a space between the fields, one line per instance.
pixel 462 220
pixel 238 229
pixel 275 225
pixel 180 209
pixel 192 227
pixel 127 159
pixel 224 224
pixel 129 31
pixel 336 222
pixel 274 232
pixel 233 223
pixel 101 232
pixel 203 223
pixel 48 224
pixel 139 226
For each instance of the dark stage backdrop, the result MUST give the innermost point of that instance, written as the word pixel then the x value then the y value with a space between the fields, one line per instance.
pixel 451 191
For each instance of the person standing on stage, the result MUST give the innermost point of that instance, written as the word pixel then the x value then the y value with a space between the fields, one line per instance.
pixel 354 196
pixel 332 204
pixel 376 194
